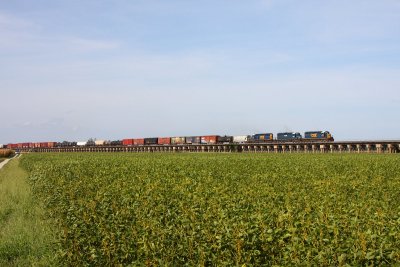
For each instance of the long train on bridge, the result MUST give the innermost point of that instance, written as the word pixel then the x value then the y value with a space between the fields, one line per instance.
pixel 311 136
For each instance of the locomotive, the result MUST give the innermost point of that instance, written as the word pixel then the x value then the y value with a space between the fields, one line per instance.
pixel 310 136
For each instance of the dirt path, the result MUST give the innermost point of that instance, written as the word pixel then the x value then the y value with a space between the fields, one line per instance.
pixel 4 163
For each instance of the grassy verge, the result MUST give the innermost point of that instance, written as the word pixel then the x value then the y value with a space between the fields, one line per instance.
pixel 26 238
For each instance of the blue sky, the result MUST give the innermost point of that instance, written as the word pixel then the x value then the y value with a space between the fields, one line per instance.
pixel 71 70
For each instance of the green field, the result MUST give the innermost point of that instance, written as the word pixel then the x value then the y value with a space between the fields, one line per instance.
pixel 221 209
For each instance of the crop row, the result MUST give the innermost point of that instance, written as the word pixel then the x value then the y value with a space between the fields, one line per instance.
pixel 223 210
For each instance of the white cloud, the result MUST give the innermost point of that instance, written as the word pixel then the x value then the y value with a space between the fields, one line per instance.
pixel 8 22
pixel 88 45
pixel 267 3
pixel 18 34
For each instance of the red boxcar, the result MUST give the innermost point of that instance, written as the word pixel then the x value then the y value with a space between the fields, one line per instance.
pixel 209 139
pixel 12 146
pixel 44 144
pixel 26 145
pixel 164 140
pixel 138 141
pixel 127 142
pixel 51 144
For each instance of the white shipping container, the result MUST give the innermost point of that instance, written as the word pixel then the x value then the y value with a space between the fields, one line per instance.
pixel 100 142
pixel 82 143
pixel 1 145
pixel 240 139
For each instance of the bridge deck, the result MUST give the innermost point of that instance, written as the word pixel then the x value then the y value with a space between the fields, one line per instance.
pixel 386 146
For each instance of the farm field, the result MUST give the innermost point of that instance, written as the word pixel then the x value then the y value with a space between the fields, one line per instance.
pixel 221 209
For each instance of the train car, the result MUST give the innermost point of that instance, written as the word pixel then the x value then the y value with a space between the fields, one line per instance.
pixel 262 137
pixel 193 139
pixel 151 141
pixel 51 144
pixel 43 144
pixel 116 143
pixel 24 145
pixel 209 139
pixel 318 135
pixel 138 141
pixel 288 136
pixel 12 146
pixel 67 144
pixel 100 142
pixel 178 140
pixel 225 139
pixel 164 140
pixel 240 139
pixel 127 142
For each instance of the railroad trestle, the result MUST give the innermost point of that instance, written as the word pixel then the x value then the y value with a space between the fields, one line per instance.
pixel 312 147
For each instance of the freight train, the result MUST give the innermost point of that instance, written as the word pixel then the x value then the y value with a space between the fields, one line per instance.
pixel 311 136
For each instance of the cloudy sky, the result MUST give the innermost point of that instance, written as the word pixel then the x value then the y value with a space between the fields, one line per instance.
pixel 75 69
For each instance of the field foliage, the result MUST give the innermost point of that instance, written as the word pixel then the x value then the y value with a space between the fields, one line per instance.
pixel 221 209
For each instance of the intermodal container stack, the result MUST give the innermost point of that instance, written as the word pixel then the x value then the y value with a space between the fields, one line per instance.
pixel 164 140
pixel 51 144
pixel 127 142
pixel 178 140
pixel 138 141
pixel 193 139
pixel 151 141
pixel 209 139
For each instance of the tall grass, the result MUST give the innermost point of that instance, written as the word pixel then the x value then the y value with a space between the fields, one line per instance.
pixel 26 239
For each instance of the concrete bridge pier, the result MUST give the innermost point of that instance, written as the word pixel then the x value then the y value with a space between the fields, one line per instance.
pixel 313 148
pixel 298 148
pixel 291 148
pixel 341 148
pixel 322 148
pixel 368 148
pixel 391 148
pixel 331 148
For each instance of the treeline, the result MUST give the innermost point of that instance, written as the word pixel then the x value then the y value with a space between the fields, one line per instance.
pixel 6 153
